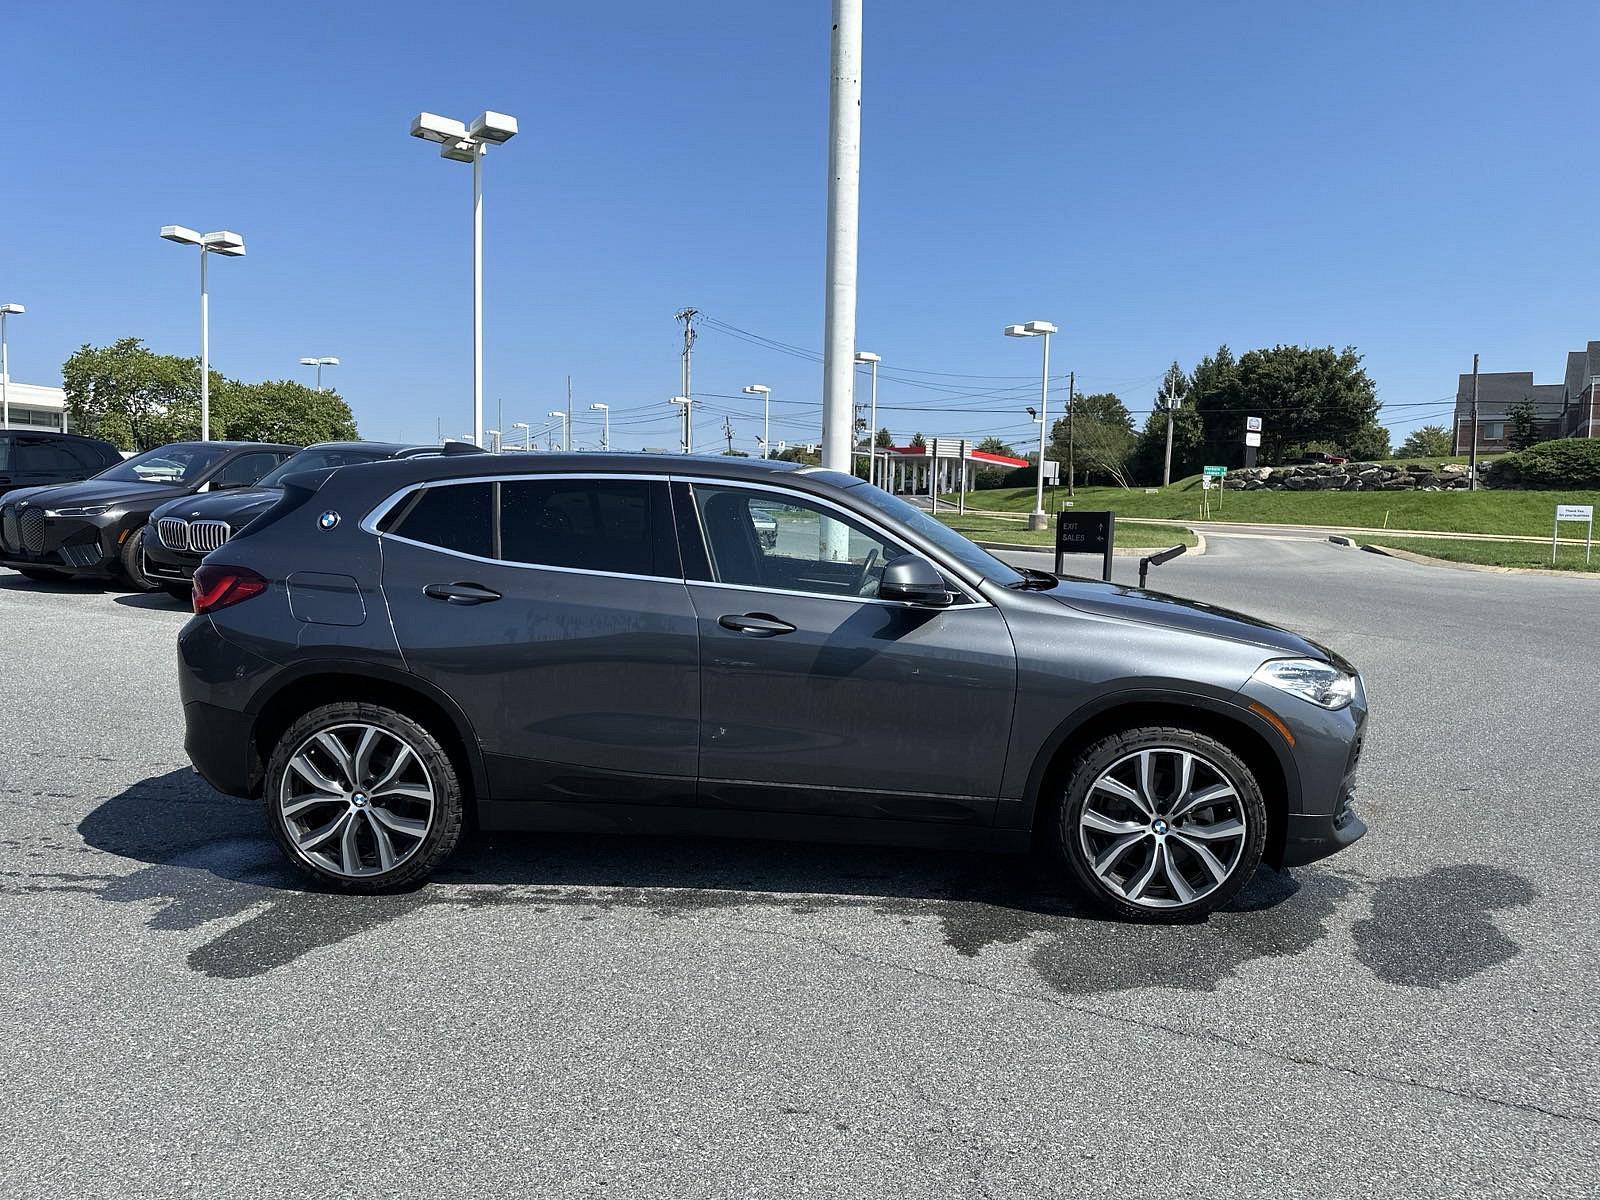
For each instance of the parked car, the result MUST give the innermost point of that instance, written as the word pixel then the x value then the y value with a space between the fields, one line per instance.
pixel 190 527
pixel 42 457
pixel 604 643
pixel 96 528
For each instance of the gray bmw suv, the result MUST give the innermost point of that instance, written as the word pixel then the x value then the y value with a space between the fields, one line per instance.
pixel 634 643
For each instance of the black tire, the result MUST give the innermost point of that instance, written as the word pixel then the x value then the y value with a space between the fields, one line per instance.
pixel 449 799
pixel 179 591
pixel 1164 904
pixel 131 560
pixel 40 576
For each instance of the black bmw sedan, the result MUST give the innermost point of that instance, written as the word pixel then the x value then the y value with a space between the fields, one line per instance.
pixel 95 528
pixel 188 528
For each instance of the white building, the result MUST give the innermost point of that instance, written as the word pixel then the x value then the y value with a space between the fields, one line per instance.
pixel 34 406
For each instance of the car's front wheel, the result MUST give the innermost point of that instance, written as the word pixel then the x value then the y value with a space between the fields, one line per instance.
pixel 131 559
pixel 1161 823
pixel 363 797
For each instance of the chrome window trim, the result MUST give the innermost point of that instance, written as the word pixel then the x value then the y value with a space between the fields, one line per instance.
pixel 968 585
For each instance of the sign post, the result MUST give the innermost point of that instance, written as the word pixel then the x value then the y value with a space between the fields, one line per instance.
pixel 1086 533
pixel 1573 512
pixel 1218 474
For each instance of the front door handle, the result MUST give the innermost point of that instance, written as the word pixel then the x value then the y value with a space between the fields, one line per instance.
pixel 756 624
pixel 460 593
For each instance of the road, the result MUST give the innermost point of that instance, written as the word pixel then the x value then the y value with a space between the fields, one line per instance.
pixel 590 1017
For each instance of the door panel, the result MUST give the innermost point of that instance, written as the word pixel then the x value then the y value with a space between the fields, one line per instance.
pixel 577 683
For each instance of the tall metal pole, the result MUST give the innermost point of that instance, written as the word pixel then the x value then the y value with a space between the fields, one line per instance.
pixel 477 293
pixel 687 316
pixel 205 353
pixel 844 193
pixel 1472 476
pixel 5 378
pixel 1037 519
pixel 605 433
pixel 567 425
pixel 1072 465
pixel 766 422
pixel 1166 469
pixel 872 438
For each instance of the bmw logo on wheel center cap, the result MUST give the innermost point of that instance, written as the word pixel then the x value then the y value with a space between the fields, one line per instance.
pixel 328 520
pixel 1159 826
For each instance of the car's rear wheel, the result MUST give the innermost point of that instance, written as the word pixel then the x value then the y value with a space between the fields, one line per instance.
pixel 1161 823
pixel 362 797
pixel 131 559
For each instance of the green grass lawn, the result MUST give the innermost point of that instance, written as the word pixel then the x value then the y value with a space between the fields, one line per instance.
pixel 1450 512
pixel 998 529
pixel 1497 554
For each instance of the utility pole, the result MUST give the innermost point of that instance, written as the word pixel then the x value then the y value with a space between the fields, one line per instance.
pixel 1472 474
pixel 1166 469
pixel 1072 386
pixel 844 195
pixel 687 316
pixel 727 433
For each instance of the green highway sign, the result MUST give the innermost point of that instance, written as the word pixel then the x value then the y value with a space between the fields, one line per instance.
pixel 1216 472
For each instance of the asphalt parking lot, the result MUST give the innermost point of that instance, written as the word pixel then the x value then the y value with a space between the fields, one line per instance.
pixel 586 1017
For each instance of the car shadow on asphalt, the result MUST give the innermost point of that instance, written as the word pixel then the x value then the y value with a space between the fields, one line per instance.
pixel 207 864
pixel 152 601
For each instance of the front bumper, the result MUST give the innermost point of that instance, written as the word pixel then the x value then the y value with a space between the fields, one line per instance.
pixel 163 562
pixel 75 545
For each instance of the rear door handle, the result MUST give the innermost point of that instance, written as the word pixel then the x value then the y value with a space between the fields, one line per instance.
pixel 460 593
pixel 756 624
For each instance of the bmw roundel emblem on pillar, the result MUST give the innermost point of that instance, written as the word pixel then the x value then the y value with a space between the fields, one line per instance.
pixel 328 520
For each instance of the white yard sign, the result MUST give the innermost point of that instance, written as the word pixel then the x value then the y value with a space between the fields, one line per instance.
pixel 1574 512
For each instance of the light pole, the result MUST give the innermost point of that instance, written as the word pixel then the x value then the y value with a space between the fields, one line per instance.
pixel 221 242
pixel 872 360
pixel 494 440
pixel 527 434
pixel 469 143
pixel 762 390
pixel 688 423
pixel 1037 519
pixel 561 416
pixel 605 433
pixel 9 310
pixel 319 363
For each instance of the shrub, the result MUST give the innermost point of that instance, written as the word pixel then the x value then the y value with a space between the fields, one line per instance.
pixel 1566 463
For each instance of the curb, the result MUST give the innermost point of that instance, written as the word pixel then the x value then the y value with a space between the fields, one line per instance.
pixel 1427 560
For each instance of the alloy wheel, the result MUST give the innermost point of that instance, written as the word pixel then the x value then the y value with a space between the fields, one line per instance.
pixel 1163 828
pixel 356 800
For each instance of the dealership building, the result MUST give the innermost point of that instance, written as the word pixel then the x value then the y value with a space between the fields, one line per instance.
pixel 1569 409
pixel 34 406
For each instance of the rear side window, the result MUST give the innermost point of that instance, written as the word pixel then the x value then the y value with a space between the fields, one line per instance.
pixel 618 525
pixel 457 517
pixel 44 458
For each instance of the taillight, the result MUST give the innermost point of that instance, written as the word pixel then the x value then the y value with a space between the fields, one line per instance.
pixel 218 587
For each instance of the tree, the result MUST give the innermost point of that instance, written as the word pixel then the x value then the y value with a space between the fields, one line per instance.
pixel 1102 437
pixel 1524 422
pixel 993 445
pixel 918 442
pixel 884 439
pixel 136 399
pixel 1430 441
pixel 1303 396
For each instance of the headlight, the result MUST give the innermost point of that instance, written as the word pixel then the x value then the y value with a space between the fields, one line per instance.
pixel 1324 684
pixel 93 510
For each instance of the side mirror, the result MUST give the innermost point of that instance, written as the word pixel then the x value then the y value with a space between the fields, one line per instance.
pixel 913 580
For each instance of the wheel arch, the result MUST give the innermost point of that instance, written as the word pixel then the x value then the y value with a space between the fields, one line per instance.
pixel 327 682
pixel 1246 734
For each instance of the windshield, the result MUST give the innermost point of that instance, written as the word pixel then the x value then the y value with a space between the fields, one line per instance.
pixel 946 539
pixel 183 462
pixel 318 460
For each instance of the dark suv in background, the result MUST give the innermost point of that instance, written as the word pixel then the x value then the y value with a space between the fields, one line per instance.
pixel 96 528
pixel 185 530
pixel 41 457
pixel 613 643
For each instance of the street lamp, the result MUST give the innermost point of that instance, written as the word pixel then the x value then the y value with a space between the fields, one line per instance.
pixel 688 423
pixel 319 363
pixel 760 389
pixel 1037 519
pixel 605 435
pixel 527 434
pixel 232 246
pixel 9 310
pixel 866 356
pixel 562 417
pixel 494 440
pixel 468 143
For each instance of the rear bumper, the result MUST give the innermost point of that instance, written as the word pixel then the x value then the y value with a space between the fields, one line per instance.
pixel 219 744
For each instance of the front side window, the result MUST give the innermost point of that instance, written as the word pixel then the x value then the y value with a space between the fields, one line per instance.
pixel 182 462
pixel 622 526
pixel 246 469
pixel 319 460
pixel 785 541
pixel 39 457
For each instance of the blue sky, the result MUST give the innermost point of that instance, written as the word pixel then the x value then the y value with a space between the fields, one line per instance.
pixel 1416 180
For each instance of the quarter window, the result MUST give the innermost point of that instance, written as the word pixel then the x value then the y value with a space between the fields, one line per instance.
pixel 457 517
pixel 763 539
